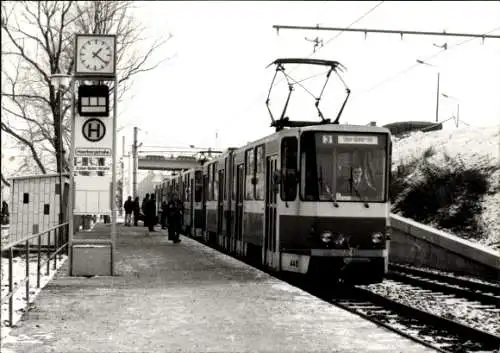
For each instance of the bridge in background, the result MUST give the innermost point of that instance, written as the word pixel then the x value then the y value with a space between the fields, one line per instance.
pixel 167 163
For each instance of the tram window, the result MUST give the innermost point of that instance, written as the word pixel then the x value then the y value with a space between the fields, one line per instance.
pixel 210 190
pixel 259 173
pixel 187 191
pixel 215 186
pixel 198 188
pixel 250 172
pixel 226 171
pixel 233 187
pixel 289 148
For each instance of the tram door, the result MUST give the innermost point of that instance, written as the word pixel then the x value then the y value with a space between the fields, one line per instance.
pixel 192 227
pixel 220 206
pixel 270 222
pixel 204 196
pixel 240 174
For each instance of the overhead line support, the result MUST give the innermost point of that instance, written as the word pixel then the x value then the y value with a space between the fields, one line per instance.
pixel 389 31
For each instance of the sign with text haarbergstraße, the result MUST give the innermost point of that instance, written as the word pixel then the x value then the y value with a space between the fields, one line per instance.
pixel 93 137
pixel 93 152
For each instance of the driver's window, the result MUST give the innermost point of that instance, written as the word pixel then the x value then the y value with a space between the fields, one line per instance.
pixel 289 147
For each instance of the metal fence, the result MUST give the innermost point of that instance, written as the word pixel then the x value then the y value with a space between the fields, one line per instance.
pixel 55 245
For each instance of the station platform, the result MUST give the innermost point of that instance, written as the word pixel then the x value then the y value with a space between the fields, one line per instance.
pixel 187 297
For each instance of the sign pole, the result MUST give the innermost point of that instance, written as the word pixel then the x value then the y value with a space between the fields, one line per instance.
pixel 72 192
pixel 95 60
pixel 113 182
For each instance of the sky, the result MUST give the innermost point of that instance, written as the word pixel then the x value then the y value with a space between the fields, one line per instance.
pixel 212 90
pixel 216 82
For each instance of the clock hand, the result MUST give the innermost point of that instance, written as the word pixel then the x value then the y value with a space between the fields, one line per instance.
pixel 98 57
pixel 96 53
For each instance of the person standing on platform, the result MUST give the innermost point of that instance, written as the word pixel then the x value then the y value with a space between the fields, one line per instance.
pixel 129 207
pixel 175 214
pixel 143 209
pixel 5 212
pixel 136 211
pixel 150 213
pixel 164 210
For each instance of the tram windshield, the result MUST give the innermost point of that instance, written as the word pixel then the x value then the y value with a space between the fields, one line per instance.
pixel 343 166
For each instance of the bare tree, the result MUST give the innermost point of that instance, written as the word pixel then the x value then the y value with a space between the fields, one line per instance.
pixel 38 40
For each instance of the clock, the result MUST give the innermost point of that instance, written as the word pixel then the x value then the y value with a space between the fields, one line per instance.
pixel 95 55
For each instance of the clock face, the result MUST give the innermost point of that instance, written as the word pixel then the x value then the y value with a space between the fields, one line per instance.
pixel 96 55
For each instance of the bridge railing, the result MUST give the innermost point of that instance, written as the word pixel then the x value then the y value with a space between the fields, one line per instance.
pixel 56 245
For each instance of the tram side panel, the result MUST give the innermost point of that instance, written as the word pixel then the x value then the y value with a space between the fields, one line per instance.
pixel 199 216
pixel 270 188
pixel 230 204
pixel 188 212
pixel 239 187
pixel 220 174
pixel 211 204
pixel 253 206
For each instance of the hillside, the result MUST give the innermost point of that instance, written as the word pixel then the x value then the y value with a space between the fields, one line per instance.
pixel 460 165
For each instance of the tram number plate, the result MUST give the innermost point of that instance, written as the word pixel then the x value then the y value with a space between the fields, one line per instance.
pixel 294 263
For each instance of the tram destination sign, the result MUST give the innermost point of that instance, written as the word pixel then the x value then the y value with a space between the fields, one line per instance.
pixel 358 139
pixel 328 139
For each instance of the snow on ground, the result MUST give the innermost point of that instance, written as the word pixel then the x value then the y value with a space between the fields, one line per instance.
pixel 19 270
pixel 457 309
pixel 476 147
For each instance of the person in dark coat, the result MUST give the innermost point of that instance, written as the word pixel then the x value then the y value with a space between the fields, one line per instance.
pixel 175 212
pixel 358 185
pixel 150 213
pixel 164 211
pixel 5 212
pixel 143 209
pixel 136 210
pixel 129 207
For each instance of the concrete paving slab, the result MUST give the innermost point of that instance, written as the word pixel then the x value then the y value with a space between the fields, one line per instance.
pixel 188 298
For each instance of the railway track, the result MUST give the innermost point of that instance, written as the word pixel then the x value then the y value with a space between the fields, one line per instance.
pixel 444 335
pixel 435 331
pixel 483 292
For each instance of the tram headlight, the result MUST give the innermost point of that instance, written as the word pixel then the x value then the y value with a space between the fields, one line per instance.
pixel 339 239
pixel 326 237
pixel 377 238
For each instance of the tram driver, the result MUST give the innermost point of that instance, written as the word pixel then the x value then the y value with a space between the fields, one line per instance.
pixel 358 185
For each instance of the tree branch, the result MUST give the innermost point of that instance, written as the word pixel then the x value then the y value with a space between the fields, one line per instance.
pixel 4 180
pixel 137 67
pixel 26 143
pixel 27 96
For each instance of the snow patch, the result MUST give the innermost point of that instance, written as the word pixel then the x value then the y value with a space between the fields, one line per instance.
pixel 458 309
pixel 19 299
pixel 477 148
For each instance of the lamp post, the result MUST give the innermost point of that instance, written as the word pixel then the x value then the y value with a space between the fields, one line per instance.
pixel 58 80
pixel 458 107
pixel 437 90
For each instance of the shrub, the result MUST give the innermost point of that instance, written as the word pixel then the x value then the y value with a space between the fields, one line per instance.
pixel 446 196
pixel 399 178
